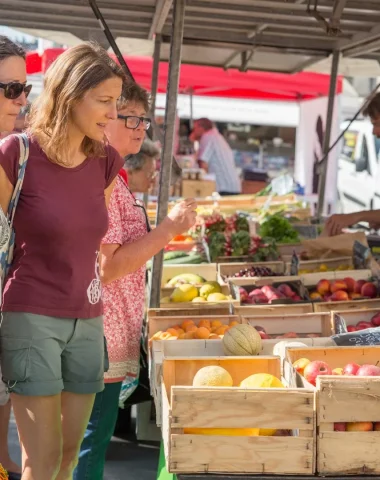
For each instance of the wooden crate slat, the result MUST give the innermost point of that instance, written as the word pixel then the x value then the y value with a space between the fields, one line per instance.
pixel 278 455
pixel 349 399
pixel 242 408
pixel 351 305
pixel 273 310
pixel 355 454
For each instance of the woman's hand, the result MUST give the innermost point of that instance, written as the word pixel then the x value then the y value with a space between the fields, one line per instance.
pixel 336 223
pixel 182 217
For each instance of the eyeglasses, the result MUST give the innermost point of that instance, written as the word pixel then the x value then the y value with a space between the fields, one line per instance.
pixel 14 90
pixel 132 122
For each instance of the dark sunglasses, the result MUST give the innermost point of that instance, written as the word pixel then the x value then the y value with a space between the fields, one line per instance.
pixel 14 90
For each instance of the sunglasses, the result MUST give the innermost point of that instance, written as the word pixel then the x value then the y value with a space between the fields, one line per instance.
pixel 132 121
pixel 14 90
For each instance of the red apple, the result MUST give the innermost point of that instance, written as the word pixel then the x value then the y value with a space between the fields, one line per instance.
pixel 368 371
pixel 359 427
pixel 354 296
pixel 339 296
pixel 359 285
pixel 323 287
pixel 338 285
pixel 375 320
pixel 243 294
pixel 351 283
pixel 339 427
pixel 315 296
pixel 369 290
pixel 314 369
pixel 263 335
pixel 351 328
pixel 363 325
pixel 351 369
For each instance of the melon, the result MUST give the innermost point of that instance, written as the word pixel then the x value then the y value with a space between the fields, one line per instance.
pixel 230 432
pixel 212 376
pixel 263 380
pixel 242 340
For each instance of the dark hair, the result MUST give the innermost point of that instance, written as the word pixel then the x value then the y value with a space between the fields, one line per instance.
pixel 205 123
pixel 372 109
pixel 10 49
pixel 133 93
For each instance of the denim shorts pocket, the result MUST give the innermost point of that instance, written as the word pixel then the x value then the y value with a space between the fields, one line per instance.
pixel 15 359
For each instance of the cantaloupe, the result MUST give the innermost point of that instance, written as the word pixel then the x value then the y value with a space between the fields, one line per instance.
pixel 262 380
pixel 242 340
pixel 230 432
pixel 212 376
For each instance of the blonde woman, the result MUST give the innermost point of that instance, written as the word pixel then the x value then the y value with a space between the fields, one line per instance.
pixel 52 340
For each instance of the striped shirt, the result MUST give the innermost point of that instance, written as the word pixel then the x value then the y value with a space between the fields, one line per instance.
pixel 215 151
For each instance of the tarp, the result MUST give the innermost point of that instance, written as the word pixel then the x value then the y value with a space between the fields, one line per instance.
pixel 216 82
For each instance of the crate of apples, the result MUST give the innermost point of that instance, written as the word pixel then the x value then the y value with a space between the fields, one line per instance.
pixel 344 290
pixel 312 370
pixel 362 325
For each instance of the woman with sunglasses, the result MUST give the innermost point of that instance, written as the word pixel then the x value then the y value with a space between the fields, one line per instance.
pixel 126 248
pixel 13 94
pixel 51 338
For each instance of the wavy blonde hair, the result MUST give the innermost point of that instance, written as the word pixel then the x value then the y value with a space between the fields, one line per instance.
pixel 72 74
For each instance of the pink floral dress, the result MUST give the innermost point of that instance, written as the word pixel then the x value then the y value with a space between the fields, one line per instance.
pixel 124 298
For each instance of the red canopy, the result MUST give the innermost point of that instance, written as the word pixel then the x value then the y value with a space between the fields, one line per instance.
pixel 213 81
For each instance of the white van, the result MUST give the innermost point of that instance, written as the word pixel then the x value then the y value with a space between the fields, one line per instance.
pixel 359 169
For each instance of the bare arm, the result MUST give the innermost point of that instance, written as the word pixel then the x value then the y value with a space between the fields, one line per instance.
pixel 108 191
pixel 6 189
pixel 120 260
pixel 336 223
pixel 203 165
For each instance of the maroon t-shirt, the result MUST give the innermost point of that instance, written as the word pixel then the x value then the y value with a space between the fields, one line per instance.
pixel 60 220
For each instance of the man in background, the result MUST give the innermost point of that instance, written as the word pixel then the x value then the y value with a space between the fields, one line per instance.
pixel 215 156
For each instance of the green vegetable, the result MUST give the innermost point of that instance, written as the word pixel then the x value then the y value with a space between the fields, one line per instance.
pixel 240 243
pixel 280 229
pixel 241 223
pixel 217 245
pixel 173 255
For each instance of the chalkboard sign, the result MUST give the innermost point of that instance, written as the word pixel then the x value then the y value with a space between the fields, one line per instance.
pixel 369 336
pixel 361 256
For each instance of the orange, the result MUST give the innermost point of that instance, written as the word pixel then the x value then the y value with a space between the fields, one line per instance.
pixel 222 330
pixel 205 324
pixel 213 337
pixel 233 323
pixel 177 327
pixel 180 331
pixel 185 323
pixel 189 336
pixel 191 328
pixel 181 336
pixel 216 324
pixel 202 333
pixel 173 332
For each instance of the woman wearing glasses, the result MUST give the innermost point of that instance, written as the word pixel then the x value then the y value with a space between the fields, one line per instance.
pixel 126 248
pixel 141 168
pixel 13 94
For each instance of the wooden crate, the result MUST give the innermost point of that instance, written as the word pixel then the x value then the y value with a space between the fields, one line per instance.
pixel 229 269
pixel 196 310
pixel 345 399
pixel 197 188
pixel 302 324
pixel 185 406
pixel 352 317
pixel 330 263
pixel 311 279
pixel 157 324
pixel 289 248
pixel 351 305
pixel 273 310
pixel 205 270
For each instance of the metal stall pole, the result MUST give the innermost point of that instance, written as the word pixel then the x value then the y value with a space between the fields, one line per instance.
pixel 167 153
pixel 327 137
pixel 154 87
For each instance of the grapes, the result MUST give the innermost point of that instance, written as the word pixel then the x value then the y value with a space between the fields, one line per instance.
pixel 253 272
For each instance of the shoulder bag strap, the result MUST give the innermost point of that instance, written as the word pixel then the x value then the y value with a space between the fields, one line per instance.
pixel 23 159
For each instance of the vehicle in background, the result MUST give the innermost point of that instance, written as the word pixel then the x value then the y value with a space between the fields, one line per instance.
pixel 359 169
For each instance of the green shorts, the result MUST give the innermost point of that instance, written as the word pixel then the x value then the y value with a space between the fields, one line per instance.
pixel 43 355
